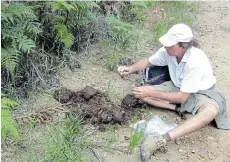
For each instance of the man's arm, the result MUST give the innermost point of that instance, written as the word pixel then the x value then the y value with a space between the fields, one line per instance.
pixel 173 97
pixel 150 91
pixel 140 65
pixel 158 59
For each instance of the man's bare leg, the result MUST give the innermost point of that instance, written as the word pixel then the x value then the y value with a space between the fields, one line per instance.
pixel 159 103
pixel 204 116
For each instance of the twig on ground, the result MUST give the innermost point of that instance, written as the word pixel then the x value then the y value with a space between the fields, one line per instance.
pixel 94 153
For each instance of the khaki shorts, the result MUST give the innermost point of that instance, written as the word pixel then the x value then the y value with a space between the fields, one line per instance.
pixel 194 102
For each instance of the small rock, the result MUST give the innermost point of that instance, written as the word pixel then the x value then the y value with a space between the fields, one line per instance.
pixel 126 138
pixel 181 151
pixel 193 151
pixel 88 92
pixel 186 136
pixel 201 156
pixel 178 141
pixel 210 138
pixel 178 119
pixel 210 156
pixel 102 128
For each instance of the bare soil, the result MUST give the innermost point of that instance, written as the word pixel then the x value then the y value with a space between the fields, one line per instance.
pixel 96 107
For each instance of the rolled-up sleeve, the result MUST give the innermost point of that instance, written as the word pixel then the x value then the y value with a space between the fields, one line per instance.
pixel 159 58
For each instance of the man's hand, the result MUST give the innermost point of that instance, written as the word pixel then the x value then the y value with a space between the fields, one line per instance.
pixel 145 91
pixel 124 70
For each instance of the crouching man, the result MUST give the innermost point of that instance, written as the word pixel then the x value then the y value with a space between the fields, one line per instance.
pixel 191 89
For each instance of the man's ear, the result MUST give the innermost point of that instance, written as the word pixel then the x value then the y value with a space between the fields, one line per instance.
pixel 180 44
pixel 183 47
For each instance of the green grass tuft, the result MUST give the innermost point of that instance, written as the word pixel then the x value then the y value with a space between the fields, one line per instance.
pixel 135 139
pixel 66 142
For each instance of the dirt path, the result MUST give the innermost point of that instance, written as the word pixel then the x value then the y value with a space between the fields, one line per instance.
pixel 208 144
pixel 214 32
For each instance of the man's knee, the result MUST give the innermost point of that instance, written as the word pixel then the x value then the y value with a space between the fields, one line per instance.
pixel 211 109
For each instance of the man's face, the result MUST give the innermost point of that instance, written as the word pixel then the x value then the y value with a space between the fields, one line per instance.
pixel 174 50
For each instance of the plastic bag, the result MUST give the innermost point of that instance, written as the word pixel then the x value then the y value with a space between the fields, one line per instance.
pixel 155 126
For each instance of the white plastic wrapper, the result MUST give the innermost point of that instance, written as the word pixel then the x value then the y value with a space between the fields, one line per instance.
pixel 155 126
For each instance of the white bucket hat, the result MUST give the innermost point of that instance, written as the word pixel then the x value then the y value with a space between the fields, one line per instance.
pixel 177 33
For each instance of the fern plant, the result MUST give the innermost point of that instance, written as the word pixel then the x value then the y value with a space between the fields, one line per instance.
pixel 19 30
pixel 65 16
pixel 9 126
pixel 121 32
pixel 9 58
pixel 64 35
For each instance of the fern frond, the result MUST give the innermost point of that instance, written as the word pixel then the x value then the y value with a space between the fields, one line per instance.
pixel 25 44
pixel 64 35
pixel 9 58
pixel 32 27
pixel 83 10
pixel 14 11
pixel 8 103
pixel 61 6
pixel 9 127
pixel 19 25
pixel 67 6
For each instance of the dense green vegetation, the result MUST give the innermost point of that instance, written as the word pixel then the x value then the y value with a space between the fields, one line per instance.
pixel 40 38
